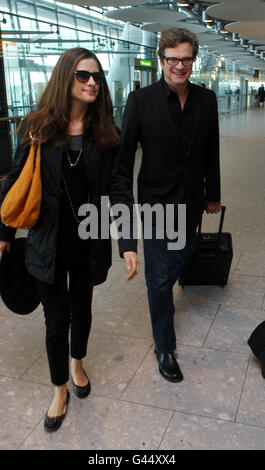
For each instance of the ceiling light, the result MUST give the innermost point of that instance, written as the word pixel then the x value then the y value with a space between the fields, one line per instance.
pixel 243 43
pixel 205 17
pixel 235 37
pixel 220 28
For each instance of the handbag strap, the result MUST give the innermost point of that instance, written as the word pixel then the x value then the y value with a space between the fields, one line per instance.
pixel 34 140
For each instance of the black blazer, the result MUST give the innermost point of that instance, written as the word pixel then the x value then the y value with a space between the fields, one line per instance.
pixel 41 242
pixel 147 120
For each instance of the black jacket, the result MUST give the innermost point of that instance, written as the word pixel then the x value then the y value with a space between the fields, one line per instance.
pixel 147 120
pixel 42 239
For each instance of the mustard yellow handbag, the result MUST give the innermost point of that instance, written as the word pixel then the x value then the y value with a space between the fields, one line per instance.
pixel 21 205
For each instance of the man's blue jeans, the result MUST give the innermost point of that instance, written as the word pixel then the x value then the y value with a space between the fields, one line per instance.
pixel 162 268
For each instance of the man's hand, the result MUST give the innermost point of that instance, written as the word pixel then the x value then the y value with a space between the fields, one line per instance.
pixel 213 207
pixel 132 263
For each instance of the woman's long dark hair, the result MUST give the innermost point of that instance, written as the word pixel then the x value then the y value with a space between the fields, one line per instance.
pixel 50 120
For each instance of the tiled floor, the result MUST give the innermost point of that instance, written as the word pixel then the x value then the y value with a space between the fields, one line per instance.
pixel 221 402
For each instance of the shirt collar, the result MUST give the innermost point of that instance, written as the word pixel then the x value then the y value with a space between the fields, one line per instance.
pixel 170 92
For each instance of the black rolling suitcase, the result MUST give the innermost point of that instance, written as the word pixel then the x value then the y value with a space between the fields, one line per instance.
pixel 211 258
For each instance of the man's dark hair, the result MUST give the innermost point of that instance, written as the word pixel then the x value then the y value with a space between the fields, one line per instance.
pixel 173 36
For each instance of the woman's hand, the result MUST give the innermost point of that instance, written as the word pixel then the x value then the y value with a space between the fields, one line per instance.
pixel 132 263
pixel 5 246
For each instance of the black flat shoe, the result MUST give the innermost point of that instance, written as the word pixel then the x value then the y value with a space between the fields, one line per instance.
pixel 82 392
pixel 168 367
pixel 52 424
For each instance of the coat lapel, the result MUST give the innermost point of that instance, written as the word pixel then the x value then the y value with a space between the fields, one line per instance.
pixel 195 111
pixel 51 164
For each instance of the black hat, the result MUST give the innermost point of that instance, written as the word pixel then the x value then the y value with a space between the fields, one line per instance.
pixel 17 286
pixel 256 342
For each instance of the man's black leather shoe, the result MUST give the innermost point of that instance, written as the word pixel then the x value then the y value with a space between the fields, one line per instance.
pixel 168 367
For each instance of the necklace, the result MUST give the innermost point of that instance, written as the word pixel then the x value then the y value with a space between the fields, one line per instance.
pixel 71 202
pixel 77 159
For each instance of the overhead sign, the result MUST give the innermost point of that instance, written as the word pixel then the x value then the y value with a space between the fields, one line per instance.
pixel 146 63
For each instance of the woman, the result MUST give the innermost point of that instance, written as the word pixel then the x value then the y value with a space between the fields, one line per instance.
pixel 79 142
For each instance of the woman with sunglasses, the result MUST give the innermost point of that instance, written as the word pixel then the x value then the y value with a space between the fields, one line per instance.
pixel 79 143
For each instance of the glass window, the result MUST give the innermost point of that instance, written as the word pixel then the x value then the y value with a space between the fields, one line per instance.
pixel 4 5
pixel 66 19
pixel 84 24
pixel 24 8
pixel 45 14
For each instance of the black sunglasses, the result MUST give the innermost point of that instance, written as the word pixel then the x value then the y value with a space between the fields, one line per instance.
pixel 83 76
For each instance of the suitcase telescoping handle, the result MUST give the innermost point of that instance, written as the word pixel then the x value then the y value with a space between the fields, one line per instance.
pixel 223 209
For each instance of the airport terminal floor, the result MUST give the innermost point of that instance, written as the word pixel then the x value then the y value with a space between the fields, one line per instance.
pixel 221 402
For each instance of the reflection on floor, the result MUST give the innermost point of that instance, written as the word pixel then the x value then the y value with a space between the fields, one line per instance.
pixel 221 402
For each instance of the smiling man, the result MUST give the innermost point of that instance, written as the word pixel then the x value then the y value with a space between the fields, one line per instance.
pixel 176 123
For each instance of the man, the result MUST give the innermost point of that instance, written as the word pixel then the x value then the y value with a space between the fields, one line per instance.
pixel 261 93
pixel 176 124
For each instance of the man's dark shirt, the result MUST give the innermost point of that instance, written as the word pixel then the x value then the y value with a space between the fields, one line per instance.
pixel 182 119
pixel 183 123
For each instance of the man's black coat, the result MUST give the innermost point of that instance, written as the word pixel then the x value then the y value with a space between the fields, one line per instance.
pixel 163 172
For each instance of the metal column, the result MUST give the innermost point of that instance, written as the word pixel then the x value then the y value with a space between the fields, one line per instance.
pixel 5 141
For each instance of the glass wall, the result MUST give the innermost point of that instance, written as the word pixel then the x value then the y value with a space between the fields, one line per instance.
pixel 228 79
pixel 31 47
pixel 35 33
